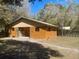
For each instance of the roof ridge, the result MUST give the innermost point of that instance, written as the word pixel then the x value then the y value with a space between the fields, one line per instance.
pixel 35 21
pixel 38 21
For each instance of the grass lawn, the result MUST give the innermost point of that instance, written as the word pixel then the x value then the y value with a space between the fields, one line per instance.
pixel 69 43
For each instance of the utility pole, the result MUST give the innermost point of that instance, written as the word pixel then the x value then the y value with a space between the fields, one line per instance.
pixel 62 28
pixel 14 3
pixel 62 25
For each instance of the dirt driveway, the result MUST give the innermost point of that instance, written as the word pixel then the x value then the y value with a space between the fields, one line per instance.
pixel 68 46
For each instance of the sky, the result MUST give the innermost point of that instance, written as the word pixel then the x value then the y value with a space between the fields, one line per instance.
pixel 37 6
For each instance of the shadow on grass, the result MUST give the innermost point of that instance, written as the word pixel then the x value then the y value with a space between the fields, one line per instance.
pixel 12 49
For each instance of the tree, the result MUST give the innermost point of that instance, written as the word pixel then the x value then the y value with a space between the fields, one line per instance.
pixel 16 2
pixel 59 15
pixel 51 13
pixel 7 14
pixel 19 6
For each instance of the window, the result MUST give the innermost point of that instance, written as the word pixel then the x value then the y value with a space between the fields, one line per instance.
pixel 21 29
pixel 13 29
pixel 49 29
pixel 37 29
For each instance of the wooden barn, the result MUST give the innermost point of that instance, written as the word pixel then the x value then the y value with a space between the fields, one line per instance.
pixel 26 27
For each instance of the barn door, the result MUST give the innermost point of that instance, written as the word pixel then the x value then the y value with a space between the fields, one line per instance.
pixel 24 32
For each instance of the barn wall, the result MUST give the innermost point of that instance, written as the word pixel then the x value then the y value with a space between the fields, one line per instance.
pixel 37 34
pixel 12 33
pixel 51 34
pixel 42 34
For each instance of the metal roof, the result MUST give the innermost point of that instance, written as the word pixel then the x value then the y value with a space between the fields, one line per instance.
pixel 34 21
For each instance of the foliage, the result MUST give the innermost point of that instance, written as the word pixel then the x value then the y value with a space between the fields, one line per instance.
pixel 12 2
pixel 6 16
pixel 8 11
pixel 50 13
pixel 60 15
pixel 16 2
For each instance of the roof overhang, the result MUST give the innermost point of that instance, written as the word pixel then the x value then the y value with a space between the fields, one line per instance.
pixel 13 24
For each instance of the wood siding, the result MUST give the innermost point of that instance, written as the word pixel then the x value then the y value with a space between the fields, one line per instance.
pixel 37 34
pixel 12 33
pixel 45 31
pixel 41 34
